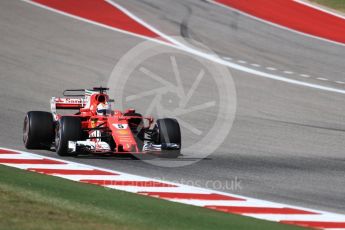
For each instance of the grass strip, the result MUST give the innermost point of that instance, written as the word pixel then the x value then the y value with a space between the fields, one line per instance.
pixel 34 201
pixel 334 4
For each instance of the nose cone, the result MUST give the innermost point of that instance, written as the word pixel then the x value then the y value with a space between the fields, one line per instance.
pixel 130 148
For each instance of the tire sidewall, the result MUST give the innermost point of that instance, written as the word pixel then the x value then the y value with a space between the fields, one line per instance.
pixel 169 132
pixel 38 130
pixel 67 129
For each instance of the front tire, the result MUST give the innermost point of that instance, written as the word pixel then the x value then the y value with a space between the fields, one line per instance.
pixel 68 129
pixel 38 130
pixel 169 132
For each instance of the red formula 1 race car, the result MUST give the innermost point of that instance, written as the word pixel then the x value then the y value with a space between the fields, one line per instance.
pixel 97 129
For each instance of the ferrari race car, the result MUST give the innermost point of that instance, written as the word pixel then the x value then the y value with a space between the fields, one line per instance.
pixel 97 129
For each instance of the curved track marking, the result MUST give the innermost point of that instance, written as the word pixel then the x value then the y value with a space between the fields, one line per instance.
pixel 102 25
pixel 200 54
pixel 70 172
pixel 99 11
pixel 219 201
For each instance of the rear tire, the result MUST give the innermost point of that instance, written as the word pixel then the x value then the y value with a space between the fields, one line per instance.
pixel 68 129
pixel 169 132
pixel 38 130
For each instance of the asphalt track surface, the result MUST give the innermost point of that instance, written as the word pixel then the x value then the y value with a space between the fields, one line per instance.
pixel 287 141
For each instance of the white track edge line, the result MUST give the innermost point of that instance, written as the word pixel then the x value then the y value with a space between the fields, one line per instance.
pixel 142 22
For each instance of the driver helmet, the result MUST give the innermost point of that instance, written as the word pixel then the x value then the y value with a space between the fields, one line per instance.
pixel 103 108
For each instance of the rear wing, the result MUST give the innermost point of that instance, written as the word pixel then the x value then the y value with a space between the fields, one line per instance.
pixel 67 103
pixel 74 99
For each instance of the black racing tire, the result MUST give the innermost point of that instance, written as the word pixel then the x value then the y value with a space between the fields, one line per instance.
pixel 38 130
pixel 67 129
pixel 169 132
